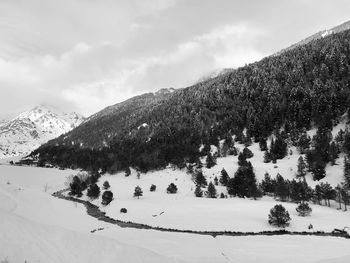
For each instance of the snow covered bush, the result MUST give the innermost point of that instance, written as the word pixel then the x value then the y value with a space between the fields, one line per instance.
pixel 279 216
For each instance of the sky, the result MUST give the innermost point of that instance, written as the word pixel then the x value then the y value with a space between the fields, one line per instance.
pixel 84 55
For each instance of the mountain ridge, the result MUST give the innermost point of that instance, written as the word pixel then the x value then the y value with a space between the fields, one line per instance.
pixel 300 88
pixel 30 129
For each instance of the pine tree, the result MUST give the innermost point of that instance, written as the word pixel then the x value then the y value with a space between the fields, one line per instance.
pixel 153 188
pixel 304 209
pixel 304 143
pixel 211 191
pixel 216 181
pixel 107 197
pixel 242 160
pixel 172 189
pixel 243 184
pixel 93 191
pixel 76 186
pixel 282 188
pixel 106 185
pixel 344 191
pixel 301 172
pixel 247 153
pixel 267 184
pixel 333 152
pixel 347 172
pixel 127 171
pixel 267 157
pixel 279 216
pixel 318 171
pixel 138 192
pixel 198 191
pixel 338 195
pixel 200 179
pixel 328 193
pixel 224 177
pixel 318 195
pixel 210 161
pixel 263 144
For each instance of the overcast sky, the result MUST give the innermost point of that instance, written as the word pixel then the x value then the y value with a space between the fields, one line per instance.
pixel 84 55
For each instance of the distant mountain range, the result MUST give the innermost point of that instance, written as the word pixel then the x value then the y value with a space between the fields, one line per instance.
pixel 32 128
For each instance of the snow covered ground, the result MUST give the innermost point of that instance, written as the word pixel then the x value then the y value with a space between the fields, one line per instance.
pixel 185 211
pixel 36 227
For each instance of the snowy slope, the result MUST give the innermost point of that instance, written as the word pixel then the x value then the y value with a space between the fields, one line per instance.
pixel 233 214
pixel 36 227
pixel 32 128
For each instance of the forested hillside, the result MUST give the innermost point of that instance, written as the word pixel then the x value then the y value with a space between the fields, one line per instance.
pixel 286 95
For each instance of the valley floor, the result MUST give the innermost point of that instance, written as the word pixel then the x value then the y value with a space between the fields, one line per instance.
pixel 36 227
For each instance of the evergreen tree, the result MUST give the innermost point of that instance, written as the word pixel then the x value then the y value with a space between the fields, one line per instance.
pixel 211 191
pixel 198 191
pixel 138 192
pixel 318 195
pixel 106 185
pixel 107 197
pixel 263 144
pixel 267 184
pixel 279 216
pixel 321 142
pixel 333 153
pixel 153 188
pixel 328 193
pixel 301 172
pixel 300 191
pixel 303 143
pixel 338 195
pixel 127 171
pixel 278 148
pixel 93 191
pixel 344 191
pixel 267 157
pixel 282 188
pixel 318 171
pixel 304 209
pixel 243 184
pixel 216 181
pixel 242 160
pixel 347 172
pixel 172 189
pixel 200 179
pixel 76 187
pixel 224 177
pixel 210 161
pixel 247 153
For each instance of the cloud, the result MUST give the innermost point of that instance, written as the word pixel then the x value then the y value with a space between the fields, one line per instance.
pixel 85 55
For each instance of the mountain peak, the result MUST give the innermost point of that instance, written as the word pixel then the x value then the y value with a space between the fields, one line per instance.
pixel 31 128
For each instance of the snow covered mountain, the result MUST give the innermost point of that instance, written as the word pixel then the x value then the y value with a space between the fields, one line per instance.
pixel 32 128
pixel 319 35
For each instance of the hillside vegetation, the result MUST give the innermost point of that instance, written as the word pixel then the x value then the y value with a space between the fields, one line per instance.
pixel 284 95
